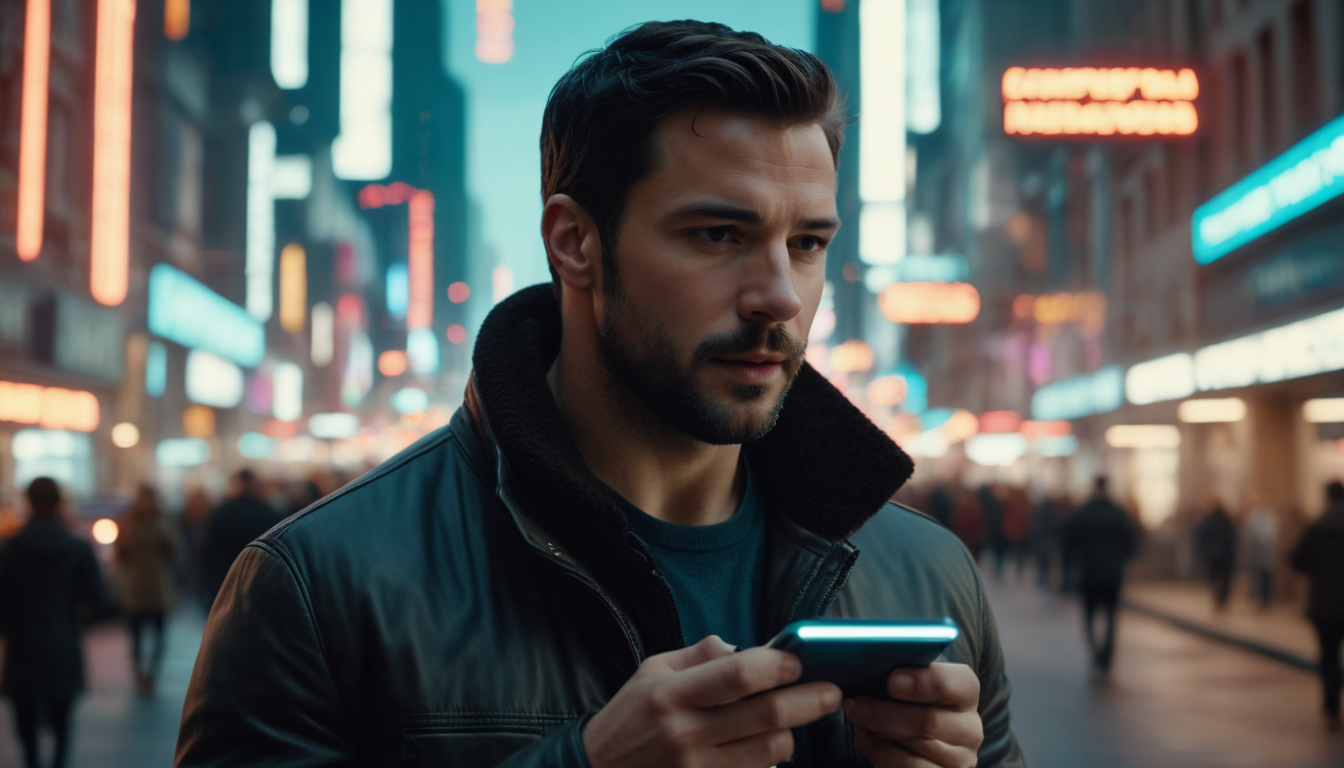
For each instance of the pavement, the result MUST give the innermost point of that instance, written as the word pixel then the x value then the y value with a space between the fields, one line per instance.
pixel 1176 699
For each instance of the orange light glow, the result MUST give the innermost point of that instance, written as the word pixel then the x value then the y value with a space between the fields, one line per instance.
pixel 198 421
pixel 420 261
pixel 853 356
pixel 392 363
pixel 293 288
pixel 1035 430
pixel 929 302
pixel 961 425
pixel 105 531
pixel 1000 421
pixel 494 31
pixel 1086 310
pixel 176 19
pixel 280 429
pixel 33 129
pixel 833 6
pixel 48 407
pixel 1099 84
pixel 886 391
pixel 109 236
pixel 459 292
pixel 456 334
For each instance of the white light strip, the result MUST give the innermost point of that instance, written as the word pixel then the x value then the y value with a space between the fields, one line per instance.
pixel 923 105
pixel 363 149
pixel 877 632
pixel 260 261
pixel 289 43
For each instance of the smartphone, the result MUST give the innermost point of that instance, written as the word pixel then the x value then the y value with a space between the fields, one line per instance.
pixel 859 654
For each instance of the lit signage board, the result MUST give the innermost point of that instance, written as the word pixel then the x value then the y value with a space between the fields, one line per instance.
pixel 1303 178
pixel 929 302
pixel 48 407
pixel 1099 101
pixel 941 268
pixel 1099 392
pixel 184 311
pixel 212 380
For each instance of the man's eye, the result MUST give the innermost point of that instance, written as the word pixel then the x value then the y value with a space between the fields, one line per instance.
pixel 810 244
pixel 714 234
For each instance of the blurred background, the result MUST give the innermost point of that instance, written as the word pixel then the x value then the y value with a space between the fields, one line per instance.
pixel 1082 237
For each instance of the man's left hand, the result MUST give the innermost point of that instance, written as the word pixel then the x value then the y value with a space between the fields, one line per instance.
pixel 932 721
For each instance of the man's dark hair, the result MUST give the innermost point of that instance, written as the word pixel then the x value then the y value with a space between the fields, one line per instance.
pixel 1099 483
pixel 247 479
pixel 44 496
pixel 598 132
pixel 1334 492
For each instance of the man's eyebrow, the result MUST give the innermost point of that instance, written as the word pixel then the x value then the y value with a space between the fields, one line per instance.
pixel 715 209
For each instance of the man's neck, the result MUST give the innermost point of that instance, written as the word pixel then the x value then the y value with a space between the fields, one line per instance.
pixel 662 471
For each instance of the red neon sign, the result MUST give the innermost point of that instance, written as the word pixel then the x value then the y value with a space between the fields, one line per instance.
pixel 1100 101
pixel 420 259
pixel 33 129
pixel 929 302
pixel 109 236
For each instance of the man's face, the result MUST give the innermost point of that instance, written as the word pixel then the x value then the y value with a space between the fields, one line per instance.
pixel 721 260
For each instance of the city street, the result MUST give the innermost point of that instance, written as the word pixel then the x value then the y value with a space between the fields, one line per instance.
pixel 1175 700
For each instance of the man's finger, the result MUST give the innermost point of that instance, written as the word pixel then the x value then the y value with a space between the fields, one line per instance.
pixel 882 752
pixel 764 750
pixel 943 685
pixel 711 648
pixel 945 736
pixel 782 709
pixel 735 677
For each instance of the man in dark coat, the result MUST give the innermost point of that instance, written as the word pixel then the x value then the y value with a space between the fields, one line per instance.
pixel 237 522
pixel 46 576
pixel 1320 555
pixel 1216 544
pixel 560 576
pixel 1099 539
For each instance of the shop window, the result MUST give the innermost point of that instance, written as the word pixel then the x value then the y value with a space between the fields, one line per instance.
pixel 66 457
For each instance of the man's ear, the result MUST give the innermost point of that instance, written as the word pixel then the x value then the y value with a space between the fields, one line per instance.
pixel 572 242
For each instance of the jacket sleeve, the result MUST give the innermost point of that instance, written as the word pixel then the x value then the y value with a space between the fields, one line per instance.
pixel 562 748
pixel 1000 748
pixel 261 693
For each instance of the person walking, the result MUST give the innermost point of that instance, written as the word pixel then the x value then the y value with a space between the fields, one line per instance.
pixel 1016 527
pixel 1320 556
pixel 145 551
pixel 46 576
pixel 1216 544
pixel 1046 526
pixel 1261 534
pixel 239 520
pixel 1099 539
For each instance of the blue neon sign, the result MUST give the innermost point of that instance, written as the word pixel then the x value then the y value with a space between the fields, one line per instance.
pixel 184 311
pixel 1304 177
pixel 1101 391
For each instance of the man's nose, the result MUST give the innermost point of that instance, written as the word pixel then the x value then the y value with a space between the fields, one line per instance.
pixel 769 293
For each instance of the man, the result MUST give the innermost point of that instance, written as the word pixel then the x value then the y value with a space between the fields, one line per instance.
pixel 1099 539
pixel 239 520
pixel 550 580
pixel 47 576
pixel 1216 543
pixel 1320 555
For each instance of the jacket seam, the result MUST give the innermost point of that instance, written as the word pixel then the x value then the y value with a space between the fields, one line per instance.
pixel 282 555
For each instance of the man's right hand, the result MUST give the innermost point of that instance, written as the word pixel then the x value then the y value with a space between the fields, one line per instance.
pixel 690 707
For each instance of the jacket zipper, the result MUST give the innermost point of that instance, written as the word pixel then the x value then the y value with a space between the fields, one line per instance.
pixel 841 579
pixel 626 627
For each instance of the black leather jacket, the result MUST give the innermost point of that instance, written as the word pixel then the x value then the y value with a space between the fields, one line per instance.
pixel 473 600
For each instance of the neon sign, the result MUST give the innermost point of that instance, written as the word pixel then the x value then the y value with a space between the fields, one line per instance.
pixel 929 302
pixel 1097 392
pixel 48 407
pixel 33 129
pixel 494 31
pixel 110 225
pixel 1303 178
pixel 183 310
pixel 419 307
pixel 1099 101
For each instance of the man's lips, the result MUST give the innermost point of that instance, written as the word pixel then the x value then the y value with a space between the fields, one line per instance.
pixel 757 370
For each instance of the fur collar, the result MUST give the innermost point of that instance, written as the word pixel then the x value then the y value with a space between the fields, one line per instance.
pixel 824 465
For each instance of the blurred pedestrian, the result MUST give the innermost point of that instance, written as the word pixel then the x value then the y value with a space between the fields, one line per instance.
pixel 1046 525
pixel 239 520
pixel 940 504
pixel 968 521
pixel 1099 539
pixel 1016 527
pixel 1320 555
pixel 195 515
pixel 145 550
pixel 1216 545
pixel 46 577
pixel 1261 534
pixel 991 511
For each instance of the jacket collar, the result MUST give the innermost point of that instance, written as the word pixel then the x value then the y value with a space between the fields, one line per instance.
pixel 825 466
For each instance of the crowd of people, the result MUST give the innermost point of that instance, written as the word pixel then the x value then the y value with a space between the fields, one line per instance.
pixel 52 584
pixel 1085 549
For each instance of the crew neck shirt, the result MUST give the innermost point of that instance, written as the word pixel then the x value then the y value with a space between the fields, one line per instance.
pixel 716 572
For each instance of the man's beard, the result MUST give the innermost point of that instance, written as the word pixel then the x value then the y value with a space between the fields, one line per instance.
pixel 643 361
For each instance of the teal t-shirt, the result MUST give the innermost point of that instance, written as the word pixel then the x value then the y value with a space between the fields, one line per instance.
pixel 716 572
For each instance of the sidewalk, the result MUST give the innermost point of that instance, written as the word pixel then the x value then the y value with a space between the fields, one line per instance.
pixel 1281 633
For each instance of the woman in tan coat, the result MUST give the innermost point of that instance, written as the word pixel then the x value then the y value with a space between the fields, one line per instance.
pixel 145 550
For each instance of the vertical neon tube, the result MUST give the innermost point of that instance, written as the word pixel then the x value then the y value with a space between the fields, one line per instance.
pixel 260 257
pixel 421 260
pixel 176 19
pixel 882 128
pixel 293 287
pixel 109 236
pixel 33 129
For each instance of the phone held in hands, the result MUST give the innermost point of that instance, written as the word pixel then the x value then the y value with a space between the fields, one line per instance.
pixel 859 654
